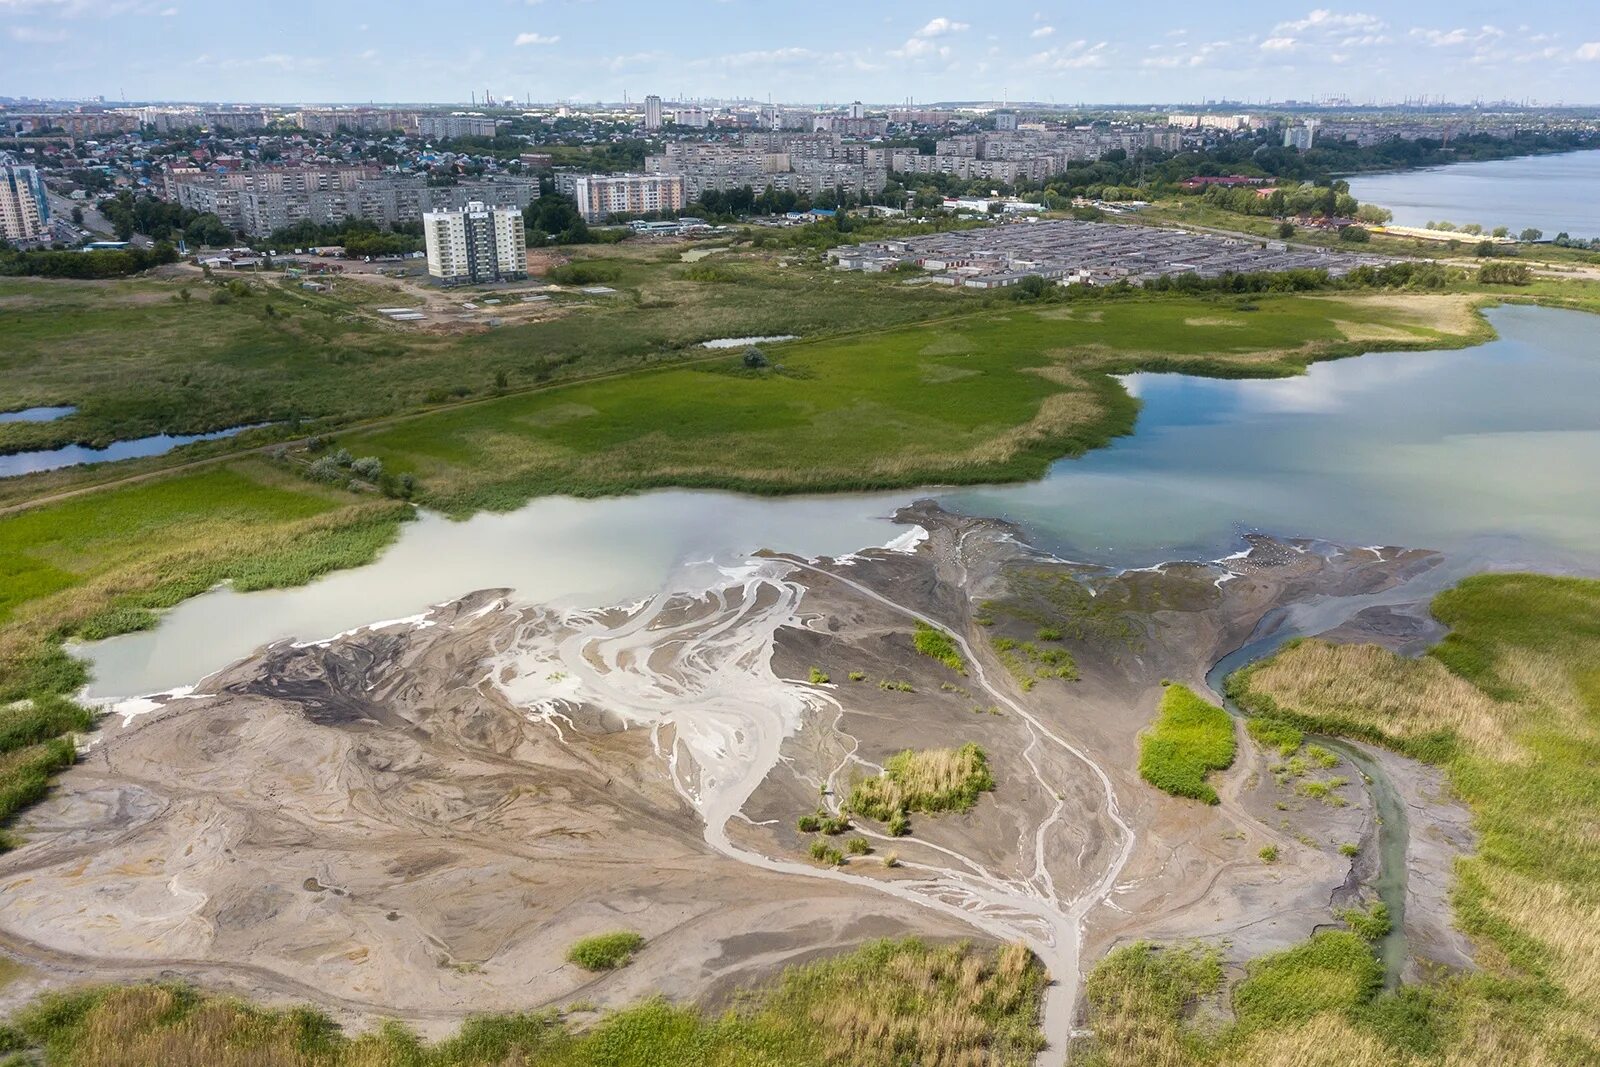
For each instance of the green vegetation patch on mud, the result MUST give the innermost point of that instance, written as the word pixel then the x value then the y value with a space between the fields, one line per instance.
pixel 888 1004
pixel 937 644
pixel 1189 739
pixel 604 952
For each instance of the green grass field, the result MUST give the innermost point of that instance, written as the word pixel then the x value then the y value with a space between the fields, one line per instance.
pixel 992 397
pixel 137 359
pixel 1189 739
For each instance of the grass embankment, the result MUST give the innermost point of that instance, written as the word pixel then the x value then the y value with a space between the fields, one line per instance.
pixel 928 781
pixel 990 397
pixel 1509 705
pixel 1189 739
pixel 104 564
pixel 890 1003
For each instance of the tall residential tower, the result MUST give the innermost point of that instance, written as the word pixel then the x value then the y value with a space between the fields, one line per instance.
pixel 24 208
pixel 476 244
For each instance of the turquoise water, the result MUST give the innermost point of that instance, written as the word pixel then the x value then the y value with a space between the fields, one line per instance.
pixel 1550 193
pixel 1427 449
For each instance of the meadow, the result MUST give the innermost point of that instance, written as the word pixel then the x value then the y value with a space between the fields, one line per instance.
pixel 988 397
pixel 888 1003
pixel 1509 705
pixel 139 357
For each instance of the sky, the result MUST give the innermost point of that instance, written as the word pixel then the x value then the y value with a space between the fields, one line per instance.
pixel 822 51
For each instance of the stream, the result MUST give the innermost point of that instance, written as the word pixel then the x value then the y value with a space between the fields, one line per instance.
pixel 1389 809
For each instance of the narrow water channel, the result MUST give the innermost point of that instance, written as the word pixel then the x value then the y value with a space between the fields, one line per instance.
pixel 1389 810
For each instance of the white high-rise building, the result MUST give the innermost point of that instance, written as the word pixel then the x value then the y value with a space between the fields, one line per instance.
pixel 24 208
pixel 476 244
pixel 1301 137
pixel 652 112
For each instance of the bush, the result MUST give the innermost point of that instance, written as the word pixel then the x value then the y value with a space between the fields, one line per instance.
pixel 1269 854
pixel 605 952
pixel 858 846
pixel 809 824
pixel 325 469
pixel 1505 274
pixel 1359 235
pixel 367 468
pixel 591 272
pixel 818 677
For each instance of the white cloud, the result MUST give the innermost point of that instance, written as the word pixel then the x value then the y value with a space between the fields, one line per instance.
pixel 1590 51
pixel 1076 55
pixel 940 27
pixel 1043 31
pixel 535 38
pixel 1278 44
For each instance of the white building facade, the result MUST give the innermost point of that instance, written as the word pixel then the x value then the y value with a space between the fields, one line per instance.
pixel 24 208
pixel 478 243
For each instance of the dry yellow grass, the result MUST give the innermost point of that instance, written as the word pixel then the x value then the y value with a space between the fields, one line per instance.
pixel 1402 698
pixel 930 780
pixel 1326 1040
pixel 1453 313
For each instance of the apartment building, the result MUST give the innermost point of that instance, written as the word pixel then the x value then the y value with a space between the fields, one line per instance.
pixel 477 243
pixel 447 127
pixel 257 202
pixel 652 112
pixel 24 208
pixel 599 196
pixel 1301 136
pixel 327 121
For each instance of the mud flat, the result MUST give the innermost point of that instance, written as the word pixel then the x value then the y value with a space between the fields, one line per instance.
pixel 416 820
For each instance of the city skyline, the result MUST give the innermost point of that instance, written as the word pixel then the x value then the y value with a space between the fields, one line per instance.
pixel 587 50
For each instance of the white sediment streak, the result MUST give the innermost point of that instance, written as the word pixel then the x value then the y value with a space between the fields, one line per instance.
pixel 695 667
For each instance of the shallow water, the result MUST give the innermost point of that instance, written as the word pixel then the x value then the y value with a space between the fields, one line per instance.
pixel 1549 193
pixel 70 456
pixel 1492 453
pixel 45 414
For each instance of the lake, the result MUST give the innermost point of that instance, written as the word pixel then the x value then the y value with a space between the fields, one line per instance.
pixel 1491 453
pixel 1550 193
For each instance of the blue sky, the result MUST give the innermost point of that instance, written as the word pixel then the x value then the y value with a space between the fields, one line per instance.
pixel 822 51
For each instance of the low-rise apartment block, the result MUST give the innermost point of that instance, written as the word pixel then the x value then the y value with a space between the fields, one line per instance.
pixel 600 196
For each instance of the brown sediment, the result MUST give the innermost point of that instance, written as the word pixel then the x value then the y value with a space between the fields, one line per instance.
pixel 417 821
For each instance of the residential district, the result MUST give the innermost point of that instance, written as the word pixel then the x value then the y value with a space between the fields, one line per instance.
pixel 456 181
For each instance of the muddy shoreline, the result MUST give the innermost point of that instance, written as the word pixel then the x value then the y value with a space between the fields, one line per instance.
pixel 415 820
